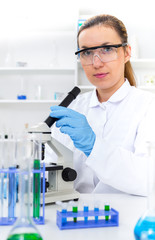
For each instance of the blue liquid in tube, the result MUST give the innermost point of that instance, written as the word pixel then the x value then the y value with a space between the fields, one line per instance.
pixel 96 209
pixel 12 193
pixel 85 209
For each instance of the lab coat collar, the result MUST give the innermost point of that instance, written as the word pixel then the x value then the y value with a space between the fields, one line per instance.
pixel 119 95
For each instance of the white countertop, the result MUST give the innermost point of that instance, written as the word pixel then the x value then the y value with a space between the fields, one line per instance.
pixel 130 208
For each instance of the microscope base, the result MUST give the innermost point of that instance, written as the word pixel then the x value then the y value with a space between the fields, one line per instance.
pixel 52 197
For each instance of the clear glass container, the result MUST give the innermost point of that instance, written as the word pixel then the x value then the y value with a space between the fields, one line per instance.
pixel 145 227
pixel 24 228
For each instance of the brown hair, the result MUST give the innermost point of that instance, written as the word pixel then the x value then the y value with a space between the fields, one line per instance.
pixel 115 23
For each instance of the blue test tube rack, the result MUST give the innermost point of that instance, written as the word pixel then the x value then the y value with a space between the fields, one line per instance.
pixel 87 219
pixel 11 220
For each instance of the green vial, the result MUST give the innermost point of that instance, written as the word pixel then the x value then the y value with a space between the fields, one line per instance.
pixel 106 208
pixel 75 209
pixel 36 189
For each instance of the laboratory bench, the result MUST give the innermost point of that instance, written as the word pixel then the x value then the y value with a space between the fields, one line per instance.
pixel 130 208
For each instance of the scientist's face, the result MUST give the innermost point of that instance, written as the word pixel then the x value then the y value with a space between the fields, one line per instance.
pixel 106 76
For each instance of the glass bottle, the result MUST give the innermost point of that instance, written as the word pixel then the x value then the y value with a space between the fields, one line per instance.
pixel 145 227
pixel 24 228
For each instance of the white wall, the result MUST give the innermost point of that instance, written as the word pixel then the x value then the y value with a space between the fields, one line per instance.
pixel 138 17
pixel 18 17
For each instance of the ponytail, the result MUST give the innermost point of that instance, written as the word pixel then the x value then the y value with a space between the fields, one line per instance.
pixel 129 74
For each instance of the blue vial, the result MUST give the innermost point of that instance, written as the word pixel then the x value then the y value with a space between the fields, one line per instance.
pixel 85 209
pixel 96 209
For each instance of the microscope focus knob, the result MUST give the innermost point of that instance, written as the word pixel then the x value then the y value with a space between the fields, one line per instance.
pixel 69 174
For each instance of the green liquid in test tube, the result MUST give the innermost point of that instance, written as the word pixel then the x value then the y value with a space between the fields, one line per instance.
pixel 36 189
pixel 106 208
pixel 75 210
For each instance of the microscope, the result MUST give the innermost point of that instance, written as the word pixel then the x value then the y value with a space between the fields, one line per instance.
pixel 61 175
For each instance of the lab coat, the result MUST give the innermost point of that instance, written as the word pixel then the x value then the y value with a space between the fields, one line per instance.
pixel 123 124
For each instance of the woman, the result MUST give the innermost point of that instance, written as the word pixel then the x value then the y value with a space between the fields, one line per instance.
pixel 107 128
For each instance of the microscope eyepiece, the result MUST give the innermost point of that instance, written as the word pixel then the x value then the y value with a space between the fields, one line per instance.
pixel 65 103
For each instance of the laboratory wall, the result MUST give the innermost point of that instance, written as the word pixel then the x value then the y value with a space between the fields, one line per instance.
pixel 37 45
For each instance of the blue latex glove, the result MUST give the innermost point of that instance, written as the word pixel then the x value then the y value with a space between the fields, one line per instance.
pixel 76 126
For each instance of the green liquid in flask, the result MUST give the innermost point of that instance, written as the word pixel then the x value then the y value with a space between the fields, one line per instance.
pixel 25 236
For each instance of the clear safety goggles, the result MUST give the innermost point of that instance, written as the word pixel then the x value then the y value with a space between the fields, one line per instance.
pixel 106 53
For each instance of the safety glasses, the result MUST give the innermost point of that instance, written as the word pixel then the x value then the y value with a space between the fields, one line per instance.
pixel 106 53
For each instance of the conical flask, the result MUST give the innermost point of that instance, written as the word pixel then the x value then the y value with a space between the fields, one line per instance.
pixel 145 227
pixel 24 228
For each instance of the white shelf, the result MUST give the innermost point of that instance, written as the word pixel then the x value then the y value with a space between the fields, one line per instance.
pixel 143 60
pixel 143 63
pixel 149 88
pixel 38 70
pixel 29 101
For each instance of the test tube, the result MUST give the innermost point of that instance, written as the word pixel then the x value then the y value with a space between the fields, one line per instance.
pixel 11 192
pixel 96 209
pixel 85 209
pixel 10 148
pixel 106 208
pixel 74 209
pixel 63 209
pixel 5 185
pixel 36 175
pixel 36 189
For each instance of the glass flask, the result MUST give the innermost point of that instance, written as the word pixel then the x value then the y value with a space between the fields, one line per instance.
pixel 145 227
pixel 24 227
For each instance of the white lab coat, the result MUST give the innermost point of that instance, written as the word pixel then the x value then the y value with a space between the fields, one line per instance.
pixel 122 125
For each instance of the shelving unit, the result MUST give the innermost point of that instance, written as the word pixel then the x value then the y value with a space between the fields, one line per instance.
pixel 45 79
pixel 16 113
pixel 45 74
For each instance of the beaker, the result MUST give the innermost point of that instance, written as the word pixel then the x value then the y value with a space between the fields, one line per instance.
pixel 24 228
pixel 22 91
pixel 145 227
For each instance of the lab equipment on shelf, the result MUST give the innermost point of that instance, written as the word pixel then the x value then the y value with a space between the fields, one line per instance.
pixel 22 92
pixel 81 22
pixel 107 217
